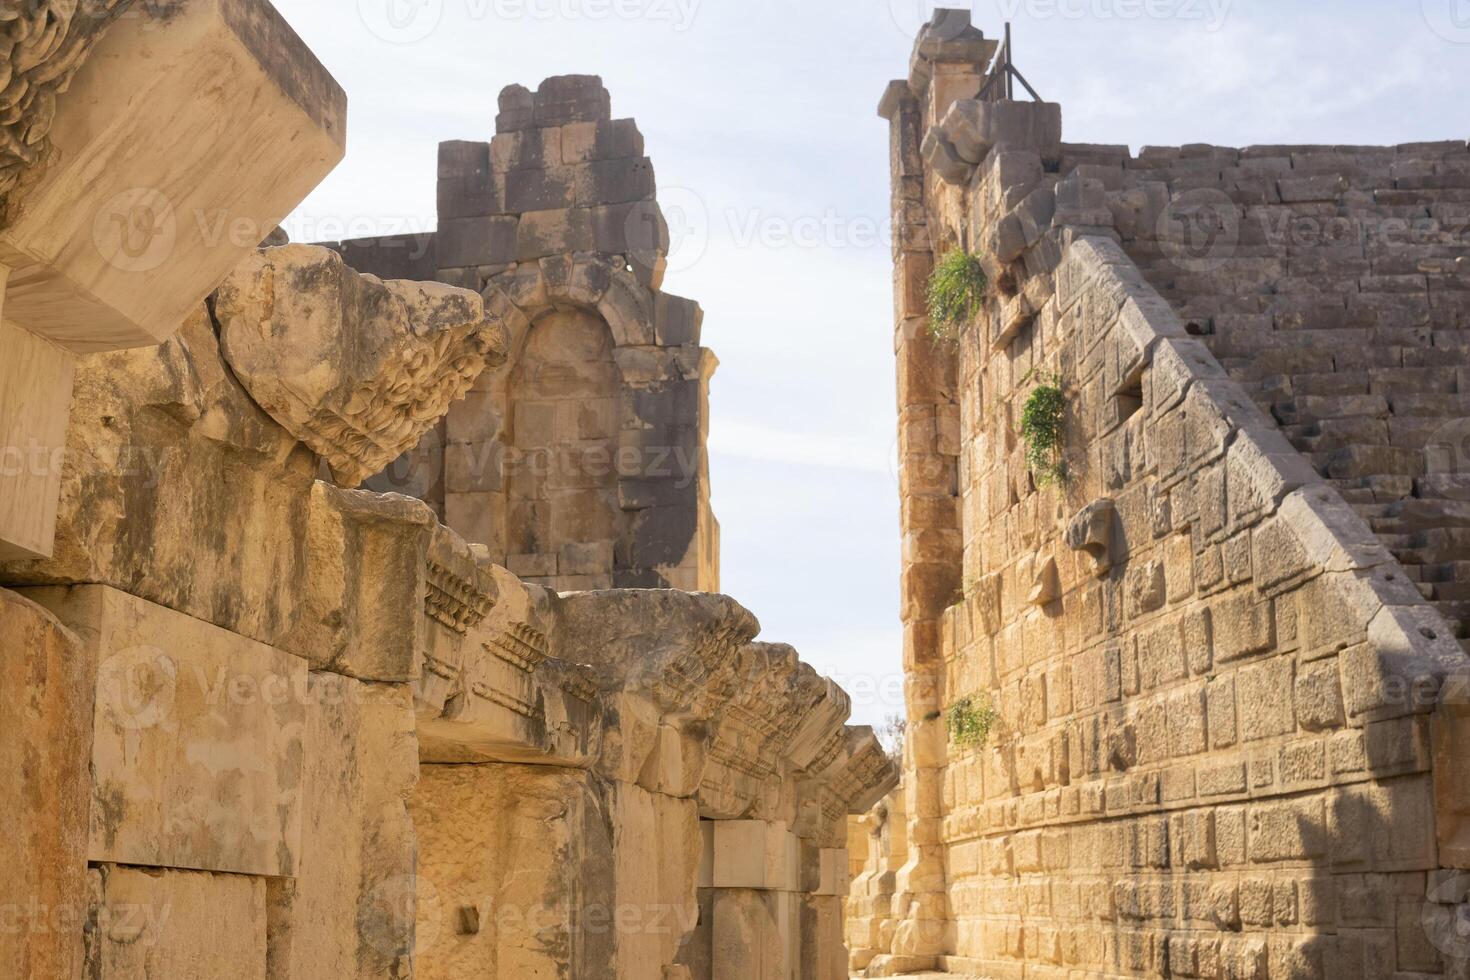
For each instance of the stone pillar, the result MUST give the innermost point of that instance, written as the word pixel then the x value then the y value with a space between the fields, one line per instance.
pixel 824 881
pixel 948 65
pixel 756 902
pixel 928 478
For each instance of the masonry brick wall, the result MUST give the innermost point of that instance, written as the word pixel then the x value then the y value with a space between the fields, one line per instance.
pixel 554 217
pixel 1227 716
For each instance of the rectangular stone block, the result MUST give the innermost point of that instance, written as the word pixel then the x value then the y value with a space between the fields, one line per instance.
pixel 823 955
pixel 615 181
pixel 197 738
pixel 585 142
pixel 176 924
pixel 358 846
pixel 35 396
pixel 754 936
pixel 394 256
pixel 835 873
pixel 463 158
pixel 676 321
pixel 46 684
pixel 527 149
pixel 756 854
pixel 553 232
pixel 143 208
pixel 546 189
pixel 473 196
pixel 516 872
pixel 476 241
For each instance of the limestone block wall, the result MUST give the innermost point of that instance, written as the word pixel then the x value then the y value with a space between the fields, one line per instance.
pixel 1226 714
pixel 581 461
pixel 244 691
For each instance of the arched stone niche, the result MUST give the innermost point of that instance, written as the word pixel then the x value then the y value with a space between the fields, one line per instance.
pixel 581 462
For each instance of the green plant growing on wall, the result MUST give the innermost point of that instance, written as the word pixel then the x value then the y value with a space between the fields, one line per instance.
pixel 970 720
pixel 957 287
pixel 1043 420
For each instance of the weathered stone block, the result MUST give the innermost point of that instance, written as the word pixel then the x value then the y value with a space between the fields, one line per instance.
pixel 468 240
pixel 516 874
pixel 170 923
pixel 47 679
pixel 355 368
pixel 133 221
pixel 358 848
pixel 756 854
pixel 35 392
pixel 168 686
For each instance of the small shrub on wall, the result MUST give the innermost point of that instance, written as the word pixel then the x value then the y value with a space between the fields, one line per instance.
pixel 1043 422
pixel 957 288
pixel 970 720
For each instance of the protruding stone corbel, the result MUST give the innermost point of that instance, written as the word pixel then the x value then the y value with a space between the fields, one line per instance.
pixel 666 663
pixel 356 368
pixel 1046 584
pixel 940 157
pixel 1094 530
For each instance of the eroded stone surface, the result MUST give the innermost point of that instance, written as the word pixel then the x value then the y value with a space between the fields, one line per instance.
pixel 162 923
pixel 1201 713
pixel 45 717
pixel 196 740
pixel 354 367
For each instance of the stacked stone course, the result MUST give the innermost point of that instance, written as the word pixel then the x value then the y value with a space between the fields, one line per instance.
pixel 1228 717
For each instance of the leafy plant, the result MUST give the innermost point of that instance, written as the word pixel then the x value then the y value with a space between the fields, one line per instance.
pixel 970 720
pixel 1043 420
pixel 957 287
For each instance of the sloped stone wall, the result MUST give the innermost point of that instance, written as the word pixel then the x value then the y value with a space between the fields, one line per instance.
pixel 1224 708
pixel 1332 283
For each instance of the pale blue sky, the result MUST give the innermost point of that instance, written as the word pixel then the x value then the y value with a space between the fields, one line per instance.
pixel 760 119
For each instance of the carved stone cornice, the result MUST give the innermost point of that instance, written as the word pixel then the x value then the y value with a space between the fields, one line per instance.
pixel 356 368
pixel 42 44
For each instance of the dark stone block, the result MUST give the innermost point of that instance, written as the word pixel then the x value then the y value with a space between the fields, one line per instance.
pixel 476 241
pixel 616 181
pixel 462 158
pixel 538 190
pixel 663 535
pixel 476 196
pixel 614 140
pixel 517 109
pixel 677 322
pixel 394 256
pixel 570 99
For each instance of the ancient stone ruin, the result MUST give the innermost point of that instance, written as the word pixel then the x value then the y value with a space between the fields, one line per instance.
pixel 359 610
pixel 264 718
pixel 1187 685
